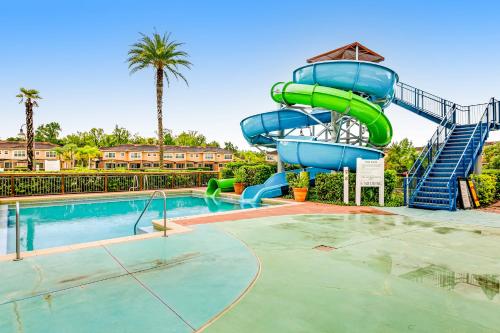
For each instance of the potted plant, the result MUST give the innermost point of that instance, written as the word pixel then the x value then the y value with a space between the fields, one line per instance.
pixel 239 180
pixel 300 185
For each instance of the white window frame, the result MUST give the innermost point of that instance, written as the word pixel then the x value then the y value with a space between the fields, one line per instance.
pixel 50 154
pixel 209 156
pixel 19 153
pixel 135 155
pixel 228 158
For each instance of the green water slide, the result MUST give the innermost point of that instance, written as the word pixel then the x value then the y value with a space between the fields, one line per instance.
pixel 344 102
pixel 216 186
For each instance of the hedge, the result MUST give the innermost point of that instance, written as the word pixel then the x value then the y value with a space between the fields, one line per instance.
pixel 255 174
pixel 229 170
pixel 496 174
pixel 330 187
pixel 486 188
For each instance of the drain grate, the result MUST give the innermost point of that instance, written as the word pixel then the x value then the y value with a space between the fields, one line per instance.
pixel 324 248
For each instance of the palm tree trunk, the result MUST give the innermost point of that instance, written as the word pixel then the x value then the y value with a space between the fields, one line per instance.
pixel 159 110
pixel 29 134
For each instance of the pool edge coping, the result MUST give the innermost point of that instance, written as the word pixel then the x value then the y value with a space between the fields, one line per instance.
pixel 173 229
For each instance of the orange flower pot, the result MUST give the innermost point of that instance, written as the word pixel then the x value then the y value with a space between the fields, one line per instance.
pixel 300 194
pixel 239 187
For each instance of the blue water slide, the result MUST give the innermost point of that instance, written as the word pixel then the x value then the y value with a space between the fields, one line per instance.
pixel 274 186
pixel 325 155
pixel 368 78
pixel 372 81
pixel 256 127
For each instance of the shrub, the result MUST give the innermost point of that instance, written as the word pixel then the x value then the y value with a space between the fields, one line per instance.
pixel 496 174
pixel 229 170
pixel 330 187
pixel 298 180
pixel 485 187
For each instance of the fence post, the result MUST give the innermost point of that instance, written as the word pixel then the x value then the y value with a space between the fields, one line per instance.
pixel 62 184
pixel 199 179
pixel 141 182
pixel 106 183
pixel 12 187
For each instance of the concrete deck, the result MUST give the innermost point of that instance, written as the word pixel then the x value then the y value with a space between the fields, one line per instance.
pixel 370 274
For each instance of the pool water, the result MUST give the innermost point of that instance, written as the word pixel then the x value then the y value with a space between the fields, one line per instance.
pixel 59 223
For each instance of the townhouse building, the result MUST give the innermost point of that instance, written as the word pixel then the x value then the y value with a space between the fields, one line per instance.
pixel 137 156
pixel 13 154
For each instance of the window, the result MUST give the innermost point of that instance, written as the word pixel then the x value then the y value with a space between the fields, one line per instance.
pixel 110 155
pixel 37 153
pixel 168 155
pixel 19 153
pixel 122 154
pixel 109 165
pixel 197 155
pixel 218 155
pixel 180 166
pixel 179 155
pixel 151 155
pixel 6 152
pixel 190 165
pixel 135 155
pixel 209 156
pixel 221 165
pixel 168 166
pixel 135 165
pixel 269 158
pixel 228 156
pixel 50 154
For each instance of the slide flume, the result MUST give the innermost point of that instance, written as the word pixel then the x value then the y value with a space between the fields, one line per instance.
pixel 352 88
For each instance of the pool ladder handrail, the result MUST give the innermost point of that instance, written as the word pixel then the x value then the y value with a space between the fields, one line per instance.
pixel 164 212
pixel 135 184
pixel 18 233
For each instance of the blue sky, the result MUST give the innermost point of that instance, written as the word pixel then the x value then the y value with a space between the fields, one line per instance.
pixel 74 52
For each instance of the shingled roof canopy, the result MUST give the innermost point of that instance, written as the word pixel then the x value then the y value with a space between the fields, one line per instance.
pixel 348 52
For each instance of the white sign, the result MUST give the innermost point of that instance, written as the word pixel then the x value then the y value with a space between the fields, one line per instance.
pixel 370 173
pixel 52 165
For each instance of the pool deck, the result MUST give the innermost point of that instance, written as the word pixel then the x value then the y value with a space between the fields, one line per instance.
pixel 294 268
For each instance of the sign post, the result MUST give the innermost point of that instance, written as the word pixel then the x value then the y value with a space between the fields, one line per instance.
pixel 346 185
pixel 370 173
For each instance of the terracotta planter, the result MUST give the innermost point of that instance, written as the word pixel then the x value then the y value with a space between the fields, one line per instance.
pixel 300 194
pixel 239 187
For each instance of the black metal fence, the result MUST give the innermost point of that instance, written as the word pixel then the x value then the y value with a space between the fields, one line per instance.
pixel 26 184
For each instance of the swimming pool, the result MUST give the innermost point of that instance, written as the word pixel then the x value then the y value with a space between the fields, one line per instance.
pixel 64 222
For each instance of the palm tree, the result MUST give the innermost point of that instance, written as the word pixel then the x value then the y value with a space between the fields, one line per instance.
pixel 29 97
pixel 165 57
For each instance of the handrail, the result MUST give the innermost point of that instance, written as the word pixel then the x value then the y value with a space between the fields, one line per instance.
pixel 18 233
pixel 164 212
pixel 145 182
pixel 473 152
pixel 135 184
pixel 428 150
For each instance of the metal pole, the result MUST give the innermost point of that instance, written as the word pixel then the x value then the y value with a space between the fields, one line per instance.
pixel 18 234
pixel 164 215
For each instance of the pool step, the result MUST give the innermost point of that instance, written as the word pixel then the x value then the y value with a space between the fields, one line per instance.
pixel 145 230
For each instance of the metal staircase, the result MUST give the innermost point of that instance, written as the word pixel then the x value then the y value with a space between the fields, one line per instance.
pixel 453 149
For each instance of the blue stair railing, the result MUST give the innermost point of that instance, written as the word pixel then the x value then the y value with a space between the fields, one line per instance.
pixel 425 104
pixel 429 154
pixel 436 108
pixel 473 149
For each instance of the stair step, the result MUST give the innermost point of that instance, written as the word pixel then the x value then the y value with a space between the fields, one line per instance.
pixel 432 195
pixel 430 206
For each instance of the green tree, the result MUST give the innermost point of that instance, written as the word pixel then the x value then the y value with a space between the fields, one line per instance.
pixel 165 57
pixel 120 136
pixel 230 146
pixel 67 153
pixel 190 138
pixel 95 137
pixel 250 156
pixel 400 156
pixel 168 138
pixel 87 154
pixel 48 133
pixel 30 98
pixel 492 156
pixel 213 144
